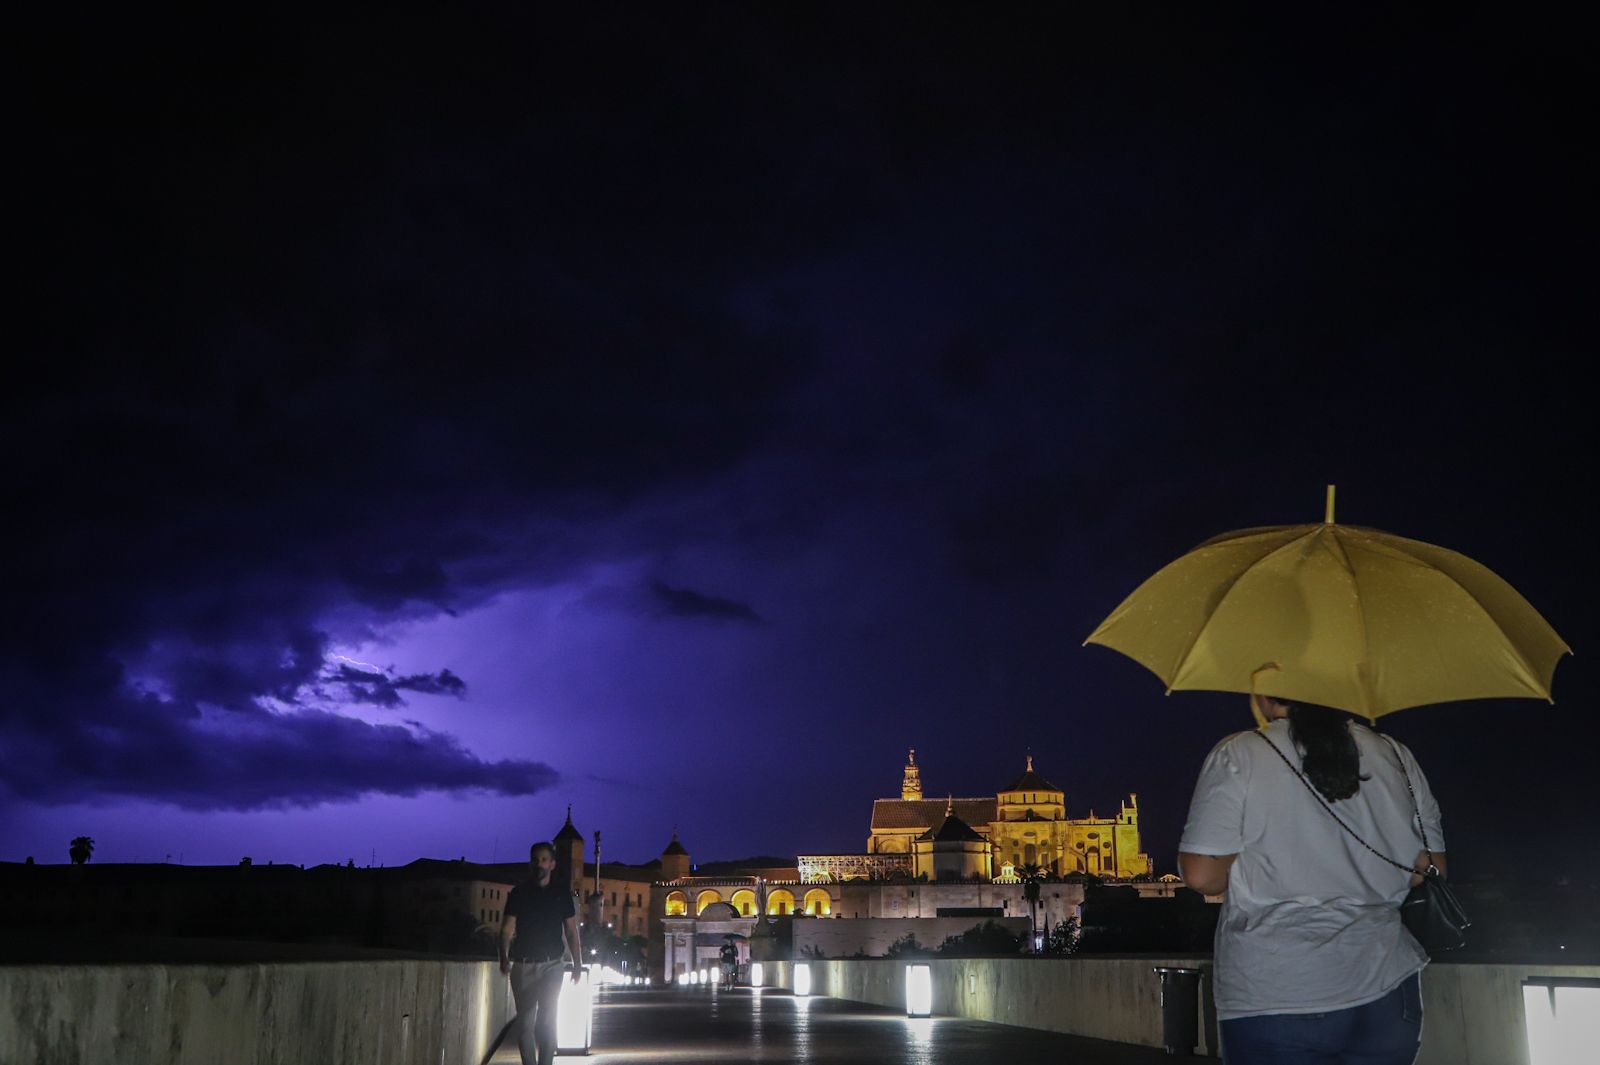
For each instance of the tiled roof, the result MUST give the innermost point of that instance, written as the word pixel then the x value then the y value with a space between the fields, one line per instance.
pixel 1031 781
pixel 954 830
pixel 923 814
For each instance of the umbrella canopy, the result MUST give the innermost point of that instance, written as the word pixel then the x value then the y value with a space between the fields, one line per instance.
pixel 1337 615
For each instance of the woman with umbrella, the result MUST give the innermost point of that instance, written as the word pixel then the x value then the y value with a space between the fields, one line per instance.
pixel 1315 827
pixel 1312 962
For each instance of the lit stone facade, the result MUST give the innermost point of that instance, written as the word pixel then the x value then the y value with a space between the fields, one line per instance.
pixel 950 859
pixel 1025 824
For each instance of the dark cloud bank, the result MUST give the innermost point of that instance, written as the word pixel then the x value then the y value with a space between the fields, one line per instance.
pixel 329 330
pixel 305 357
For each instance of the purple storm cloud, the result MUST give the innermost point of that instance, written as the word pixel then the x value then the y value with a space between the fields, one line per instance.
pixel 644 410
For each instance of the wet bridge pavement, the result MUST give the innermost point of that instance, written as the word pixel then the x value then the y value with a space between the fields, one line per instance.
pixel 638 1025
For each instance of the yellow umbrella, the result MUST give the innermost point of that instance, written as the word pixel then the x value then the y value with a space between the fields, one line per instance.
pixel 1337 615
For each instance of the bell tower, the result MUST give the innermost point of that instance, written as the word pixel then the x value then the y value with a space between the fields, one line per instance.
pixel 911 783
pixel 569 854
pixel 675 859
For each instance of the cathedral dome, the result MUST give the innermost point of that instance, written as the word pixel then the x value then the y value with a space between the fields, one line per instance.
pixel 1032 781
pixel 953 830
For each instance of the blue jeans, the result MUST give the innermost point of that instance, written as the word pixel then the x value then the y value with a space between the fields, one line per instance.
pixel 1385 1032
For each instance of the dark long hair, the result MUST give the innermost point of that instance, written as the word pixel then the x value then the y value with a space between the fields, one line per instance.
pixel 1329 756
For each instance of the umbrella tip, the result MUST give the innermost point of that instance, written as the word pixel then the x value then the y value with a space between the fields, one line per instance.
pixel 1327 515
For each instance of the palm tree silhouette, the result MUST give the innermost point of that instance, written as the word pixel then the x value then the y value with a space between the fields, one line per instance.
pixel 1031 875
pixel 82 848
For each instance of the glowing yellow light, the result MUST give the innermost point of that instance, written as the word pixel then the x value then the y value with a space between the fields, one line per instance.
pixel 919 990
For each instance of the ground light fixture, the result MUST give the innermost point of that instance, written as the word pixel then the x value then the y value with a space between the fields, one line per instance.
pixel 575 1015
pixel 757 974
pixel 802 979
pixel 919 990
pixel 1563 1019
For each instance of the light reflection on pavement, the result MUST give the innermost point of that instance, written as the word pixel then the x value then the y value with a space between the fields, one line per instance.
pixel 769 1025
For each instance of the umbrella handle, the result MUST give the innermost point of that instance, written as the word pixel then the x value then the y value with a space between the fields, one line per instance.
pixel 1255 706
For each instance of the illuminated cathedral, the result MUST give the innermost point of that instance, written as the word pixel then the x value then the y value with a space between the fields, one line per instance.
pixel 1024 825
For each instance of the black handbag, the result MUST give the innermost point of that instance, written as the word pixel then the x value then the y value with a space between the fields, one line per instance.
pixel 1430 911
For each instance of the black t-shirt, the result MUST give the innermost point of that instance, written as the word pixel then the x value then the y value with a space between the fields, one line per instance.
pixel 540 913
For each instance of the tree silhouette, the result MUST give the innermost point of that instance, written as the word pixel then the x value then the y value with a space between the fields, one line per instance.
pixel 988 938
pixel 82 847
pixel 907 947
pixel 1063 938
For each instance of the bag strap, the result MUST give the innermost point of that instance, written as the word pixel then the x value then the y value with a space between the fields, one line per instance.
pixel 1415 805
pixel 1315 794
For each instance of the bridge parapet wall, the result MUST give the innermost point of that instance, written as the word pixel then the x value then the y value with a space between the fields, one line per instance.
pixel 408 1012
pixel 1473 1011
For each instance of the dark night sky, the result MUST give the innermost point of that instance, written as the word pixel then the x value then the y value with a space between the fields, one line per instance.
pixel 413 428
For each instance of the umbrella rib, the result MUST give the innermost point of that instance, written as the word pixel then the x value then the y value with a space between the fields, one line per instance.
pixel 1223 598
pixel 1362 674
pixel 1487 613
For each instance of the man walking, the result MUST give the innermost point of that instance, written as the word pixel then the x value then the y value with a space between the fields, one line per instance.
pixel 539 914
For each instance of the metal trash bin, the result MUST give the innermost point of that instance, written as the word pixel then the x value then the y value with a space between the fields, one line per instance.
pixel 1180 1009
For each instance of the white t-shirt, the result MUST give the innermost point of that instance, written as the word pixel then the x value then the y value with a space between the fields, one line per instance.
pixel 1311 920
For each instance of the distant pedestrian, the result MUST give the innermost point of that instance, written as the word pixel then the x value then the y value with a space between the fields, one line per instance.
pixel 541 921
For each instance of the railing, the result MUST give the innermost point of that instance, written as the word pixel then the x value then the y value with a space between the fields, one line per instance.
pixel 831 868
pixel 725 881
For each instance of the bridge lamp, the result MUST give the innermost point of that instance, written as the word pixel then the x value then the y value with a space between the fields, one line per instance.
pixel 757 974
pixel 575 1015
pixel 919 990
pixel 802 979
pixel 1563 1019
